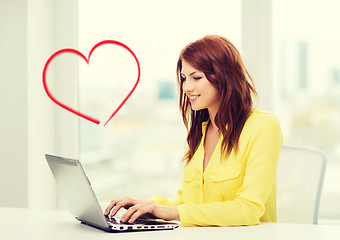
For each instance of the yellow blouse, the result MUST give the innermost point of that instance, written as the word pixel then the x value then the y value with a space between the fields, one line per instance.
pixel 237 190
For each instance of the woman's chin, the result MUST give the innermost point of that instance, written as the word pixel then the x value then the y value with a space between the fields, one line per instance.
pixel 195 108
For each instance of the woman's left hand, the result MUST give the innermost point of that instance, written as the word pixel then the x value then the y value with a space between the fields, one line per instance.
pixel 138 207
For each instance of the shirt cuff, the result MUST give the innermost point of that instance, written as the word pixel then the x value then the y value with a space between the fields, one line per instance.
pixel 159 199
pixel 183 215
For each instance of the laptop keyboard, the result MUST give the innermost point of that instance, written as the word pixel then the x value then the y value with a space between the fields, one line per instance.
pixel 116 219
pixel 115 223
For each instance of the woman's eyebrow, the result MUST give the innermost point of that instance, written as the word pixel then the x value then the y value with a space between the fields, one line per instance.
pixel 190 73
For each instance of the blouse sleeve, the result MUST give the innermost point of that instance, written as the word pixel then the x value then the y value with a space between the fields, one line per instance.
pixel 159 199
pixel 260 175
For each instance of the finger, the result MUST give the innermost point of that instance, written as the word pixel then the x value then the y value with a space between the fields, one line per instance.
pixel 124 202
pixel 129 213
pixel 116 208
pixel 139 211
pixel 136 215
pixel 112 209
pixel 111 205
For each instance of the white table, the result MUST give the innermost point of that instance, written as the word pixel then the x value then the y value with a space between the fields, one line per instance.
pixel 47 224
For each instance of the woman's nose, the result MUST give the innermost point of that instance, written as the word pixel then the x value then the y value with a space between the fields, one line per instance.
pixel 187 86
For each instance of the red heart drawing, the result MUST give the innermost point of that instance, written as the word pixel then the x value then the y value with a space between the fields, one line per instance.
pixel 73 51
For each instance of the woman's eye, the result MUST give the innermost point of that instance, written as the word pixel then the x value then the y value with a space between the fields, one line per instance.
pixel 182 79
pixel 197 78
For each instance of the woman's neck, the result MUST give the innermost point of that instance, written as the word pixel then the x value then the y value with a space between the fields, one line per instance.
pixel 212 123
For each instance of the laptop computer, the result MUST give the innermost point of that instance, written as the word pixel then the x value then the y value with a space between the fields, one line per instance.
pixel 79 196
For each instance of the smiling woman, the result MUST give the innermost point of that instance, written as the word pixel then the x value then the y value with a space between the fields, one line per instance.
pixel 226 88
pixel 233 149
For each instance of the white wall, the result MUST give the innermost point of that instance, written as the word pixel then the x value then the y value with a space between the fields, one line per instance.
pixel 31 124
pixel 13 96
pixel 51 26
pixel 257 47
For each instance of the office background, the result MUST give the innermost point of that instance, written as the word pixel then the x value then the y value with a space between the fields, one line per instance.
pixel 290 48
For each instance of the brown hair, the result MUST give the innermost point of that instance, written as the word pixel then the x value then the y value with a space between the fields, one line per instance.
pixel 222 65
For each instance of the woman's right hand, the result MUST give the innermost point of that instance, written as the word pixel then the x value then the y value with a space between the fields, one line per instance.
pixel 138 207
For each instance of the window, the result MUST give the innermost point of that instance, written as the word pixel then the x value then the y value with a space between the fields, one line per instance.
pixel 307 84
pixel 139 152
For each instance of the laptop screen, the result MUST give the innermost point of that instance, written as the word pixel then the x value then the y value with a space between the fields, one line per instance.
pixel 76 189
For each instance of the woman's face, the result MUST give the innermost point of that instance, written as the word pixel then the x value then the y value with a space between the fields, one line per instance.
pixel 200 92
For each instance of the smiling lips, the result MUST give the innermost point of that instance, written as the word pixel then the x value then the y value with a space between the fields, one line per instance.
pixel 193 97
